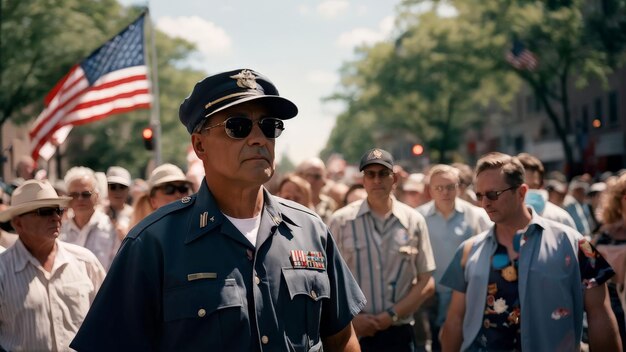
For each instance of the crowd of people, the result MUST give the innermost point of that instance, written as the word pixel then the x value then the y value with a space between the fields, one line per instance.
pixel 497 256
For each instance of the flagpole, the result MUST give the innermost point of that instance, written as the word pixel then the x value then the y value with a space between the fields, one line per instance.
pixel 155 120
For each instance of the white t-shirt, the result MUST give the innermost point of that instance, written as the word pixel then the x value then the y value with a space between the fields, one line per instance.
pixel 249 227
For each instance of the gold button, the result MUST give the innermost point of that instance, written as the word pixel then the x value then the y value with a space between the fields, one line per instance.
pixel 201 312
pixel 257 280
pixel 265 339
pixel 313 294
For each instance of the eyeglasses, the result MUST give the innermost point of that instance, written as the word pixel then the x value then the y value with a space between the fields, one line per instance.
pixel 117 186
pixel 170 188
pixel 43 212
pixel 371 174
pixel 492 195
pixel 239 127
pixel 450 187
pixel 79 195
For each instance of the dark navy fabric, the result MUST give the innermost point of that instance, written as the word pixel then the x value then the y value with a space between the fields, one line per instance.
pixel 148 303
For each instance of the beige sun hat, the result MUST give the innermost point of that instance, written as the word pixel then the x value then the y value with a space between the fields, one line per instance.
pixel 166 173
pixel 32 195
pixel 118 174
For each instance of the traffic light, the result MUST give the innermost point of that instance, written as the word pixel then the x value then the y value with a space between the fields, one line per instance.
pixel 147 135
pixel 417 149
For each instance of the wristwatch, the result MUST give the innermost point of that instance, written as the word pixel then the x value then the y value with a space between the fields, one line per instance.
pixel 392 313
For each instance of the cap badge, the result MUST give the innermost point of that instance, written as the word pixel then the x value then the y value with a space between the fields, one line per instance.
pixel 245 79
pixel 375 154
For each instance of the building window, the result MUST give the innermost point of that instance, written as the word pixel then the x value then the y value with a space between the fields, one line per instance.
pixel 613 107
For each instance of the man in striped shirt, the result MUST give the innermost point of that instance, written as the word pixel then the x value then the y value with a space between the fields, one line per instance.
pixel 46 285
pixel 386 246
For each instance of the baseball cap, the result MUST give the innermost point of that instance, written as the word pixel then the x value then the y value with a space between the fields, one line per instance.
pixel 376 156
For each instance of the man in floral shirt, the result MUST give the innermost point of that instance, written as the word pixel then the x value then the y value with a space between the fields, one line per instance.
pixel 535 277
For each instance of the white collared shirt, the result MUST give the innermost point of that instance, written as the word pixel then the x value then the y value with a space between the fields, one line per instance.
pixel 98 235
pixel 40 310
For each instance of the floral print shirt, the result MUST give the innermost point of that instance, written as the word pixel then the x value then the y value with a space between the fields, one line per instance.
pixel 502 315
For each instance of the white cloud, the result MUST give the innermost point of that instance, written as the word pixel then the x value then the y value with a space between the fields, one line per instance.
pixel 210 39
pixel 368 36
pixel 446 10
pixel 332 8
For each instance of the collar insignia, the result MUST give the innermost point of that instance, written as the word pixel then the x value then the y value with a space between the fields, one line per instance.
pixel 245 79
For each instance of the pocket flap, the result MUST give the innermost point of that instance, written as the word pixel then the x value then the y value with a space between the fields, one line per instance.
pixel 200 299
pixel 312 283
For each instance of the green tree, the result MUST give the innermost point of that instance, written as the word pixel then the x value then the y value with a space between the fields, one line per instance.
pixel 574 40
pixel 430 82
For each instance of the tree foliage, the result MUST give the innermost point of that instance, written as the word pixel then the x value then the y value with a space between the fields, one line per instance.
pixel 436 77
pixel 430 82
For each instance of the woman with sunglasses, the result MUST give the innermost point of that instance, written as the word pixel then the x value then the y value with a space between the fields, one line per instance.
pixel 87 225
pixel 167 183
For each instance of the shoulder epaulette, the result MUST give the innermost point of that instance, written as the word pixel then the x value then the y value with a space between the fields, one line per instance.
pixel 160 213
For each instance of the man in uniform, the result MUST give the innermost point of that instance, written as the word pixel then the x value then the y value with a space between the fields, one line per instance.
pixel 231 268
pixel 386 245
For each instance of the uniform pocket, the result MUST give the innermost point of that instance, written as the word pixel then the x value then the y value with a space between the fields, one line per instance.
pixel 312 283
pixel 307 289
pixel 200 299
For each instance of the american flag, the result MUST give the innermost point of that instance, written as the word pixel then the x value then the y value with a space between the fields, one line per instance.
pixel 112 80
pixel 521 58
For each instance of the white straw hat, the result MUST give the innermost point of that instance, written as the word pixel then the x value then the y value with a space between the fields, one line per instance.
pixel 166 173
pixel 32 195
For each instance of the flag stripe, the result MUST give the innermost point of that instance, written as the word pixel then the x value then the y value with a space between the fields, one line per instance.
pixel 111 80
pixel 113 85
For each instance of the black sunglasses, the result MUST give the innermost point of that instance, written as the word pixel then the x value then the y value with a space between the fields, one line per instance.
pixel 492 195
pixel 84 195
pixel 117 186
pixel 43 212
pixel 239 127
pixel 170 188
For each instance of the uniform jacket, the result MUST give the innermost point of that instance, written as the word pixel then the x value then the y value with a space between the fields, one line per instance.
pixel 186 279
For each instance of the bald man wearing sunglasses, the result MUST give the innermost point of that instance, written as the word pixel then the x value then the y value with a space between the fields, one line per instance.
pixel 524 283
pixel 230 268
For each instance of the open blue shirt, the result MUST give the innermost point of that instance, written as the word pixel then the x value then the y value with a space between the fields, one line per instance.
pixel 556 264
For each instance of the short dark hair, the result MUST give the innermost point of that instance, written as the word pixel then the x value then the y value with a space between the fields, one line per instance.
pixel 531 163
pixel 511 167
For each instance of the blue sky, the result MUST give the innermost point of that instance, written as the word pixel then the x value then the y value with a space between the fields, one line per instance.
pixel 300 45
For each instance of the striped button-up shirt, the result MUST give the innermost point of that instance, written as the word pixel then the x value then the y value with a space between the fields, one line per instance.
pixel 40 310
pixel 384 256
